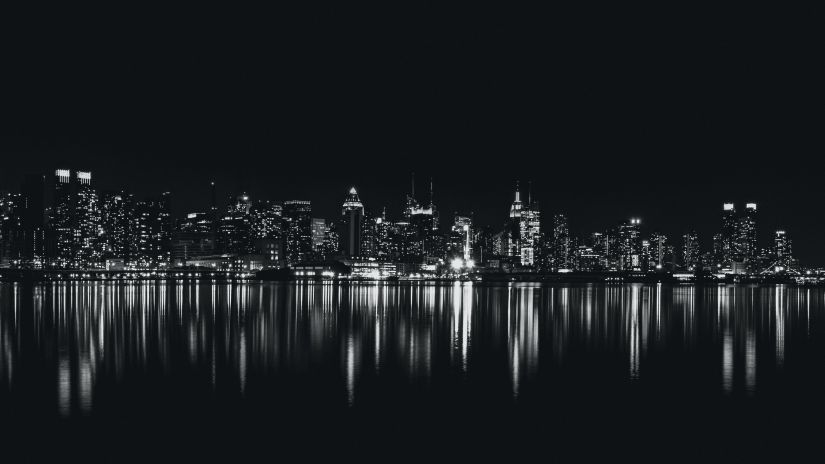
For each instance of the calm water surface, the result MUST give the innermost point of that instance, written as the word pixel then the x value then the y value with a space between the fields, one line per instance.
pixel 409 366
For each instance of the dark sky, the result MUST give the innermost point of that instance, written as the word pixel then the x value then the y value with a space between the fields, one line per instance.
pixel 611 112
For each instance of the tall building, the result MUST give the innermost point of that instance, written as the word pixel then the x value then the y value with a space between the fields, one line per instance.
pixel 34 224
pixel 658 256
pixel 11 229
pixel 561 243
pixel 530 229
pixel 298 221
pixel 461 234
pixel 690 251
pixel 729 234
pixel 782 248
pixel 746 245
pixel 117 212
pixel 266 219
pixel 421 237
pixel 630 245
pixel 62 221
pixel 87 224
pixel 352 220
pixel 193 238
pixel 151 233
pixel 319 231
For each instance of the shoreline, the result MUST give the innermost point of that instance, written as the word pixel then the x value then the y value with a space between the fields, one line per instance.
pixel 174 275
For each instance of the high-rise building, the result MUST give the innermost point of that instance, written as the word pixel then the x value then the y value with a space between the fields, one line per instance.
pixel 461 233
pixel 729 235
pixel 746 245
pixel 298 221
pixel 561 243
pixel 117 212
pixel 782 248
pixel 151 233
pixel 658 255
pixel 319 231
pixel 266 219
pixel 34 225
pixel 630 245
pixel 193 238
pixel 12 208
pixel 529 228
pixel 352 220
pixel 421 238
pixel 690 251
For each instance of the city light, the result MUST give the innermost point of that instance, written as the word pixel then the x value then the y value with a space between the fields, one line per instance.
pixel 457 264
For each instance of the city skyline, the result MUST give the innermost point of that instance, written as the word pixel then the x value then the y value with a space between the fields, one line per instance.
pixel 67 222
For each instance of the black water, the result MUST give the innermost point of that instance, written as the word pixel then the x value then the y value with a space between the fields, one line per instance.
pixel 393 371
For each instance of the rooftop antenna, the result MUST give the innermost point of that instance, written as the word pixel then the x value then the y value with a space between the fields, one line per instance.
pixel 431 190
pixel 412 191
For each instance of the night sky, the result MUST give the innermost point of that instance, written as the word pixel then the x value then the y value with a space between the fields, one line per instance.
pixel 658 113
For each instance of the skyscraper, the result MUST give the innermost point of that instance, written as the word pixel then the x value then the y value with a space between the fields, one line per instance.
pixel 530 228
pixel 352 219
pixel 630 245
pixel 690 251
pixel 782 248
pixel 746 246
pixel 729 235
pixel 561 243
pixel 319 231
pixel 298 220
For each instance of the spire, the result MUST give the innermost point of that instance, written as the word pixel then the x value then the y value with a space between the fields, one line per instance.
pixel 412 191
pixel 529 192
pixel 431 190
pixel 518 195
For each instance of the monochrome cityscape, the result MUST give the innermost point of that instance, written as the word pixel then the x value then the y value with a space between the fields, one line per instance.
pixel 62 221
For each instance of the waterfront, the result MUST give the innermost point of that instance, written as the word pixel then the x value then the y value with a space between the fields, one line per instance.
pixel 461 358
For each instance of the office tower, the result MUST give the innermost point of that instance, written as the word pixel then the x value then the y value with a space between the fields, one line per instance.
pixel 718 252
pixel 690 251
pixel 332 240
pixel 117 211
pixel 319 231
pixel 782 248
pixel 630 245
pixel 87 249
pixel 461 237
pixel 746 246
pixel 352 220
pixel 167 227
pixel 62 220
pixel 587 259
pixel 611 251
pixel 193 238
pixel 530 228
pixel 34 225
pixel 511 239
pixel 422 240
pixel 298 224
pixel 151 234
pixel 12 210
pixel 561 243
pixel 382 235
pixel 266 219
pixel 235 233
pixel 657 252
pixel 729 234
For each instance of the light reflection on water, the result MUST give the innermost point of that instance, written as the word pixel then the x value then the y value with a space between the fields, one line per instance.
pixel 85 337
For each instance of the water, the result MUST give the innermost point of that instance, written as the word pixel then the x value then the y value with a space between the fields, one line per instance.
pixel 402 368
